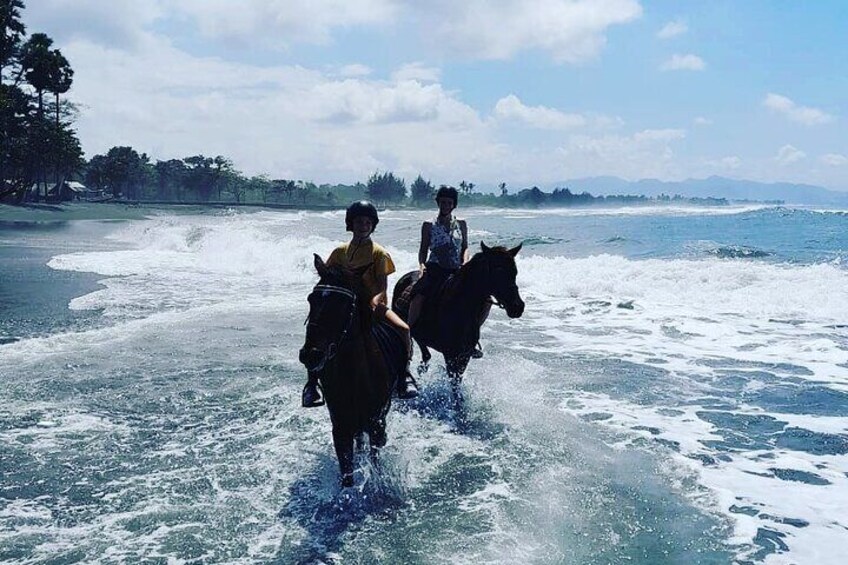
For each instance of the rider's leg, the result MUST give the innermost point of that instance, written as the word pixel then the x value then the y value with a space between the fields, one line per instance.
pixel 311 395
pixel 406 386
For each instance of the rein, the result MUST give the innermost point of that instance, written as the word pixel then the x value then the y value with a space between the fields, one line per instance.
pixel 333 348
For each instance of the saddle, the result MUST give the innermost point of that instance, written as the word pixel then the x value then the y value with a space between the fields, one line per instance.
pixel 392 348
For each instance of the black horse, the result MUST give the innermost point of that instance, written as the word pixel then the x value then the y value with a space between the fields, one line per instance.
pixel 450 320
pixel 339 345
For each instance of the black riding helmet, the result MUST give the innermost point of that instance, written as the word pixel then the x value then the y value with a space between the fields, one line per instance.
pixel 448 192
pixel 361 208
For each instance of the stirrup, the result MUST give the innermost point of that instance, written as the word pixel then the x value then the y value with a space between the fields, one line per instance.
pixel 311 396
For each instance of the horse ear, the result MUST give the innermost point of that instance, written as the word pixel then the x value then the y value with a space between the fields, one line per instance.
pixel 320 266
pixel 514 251
pixel 484 247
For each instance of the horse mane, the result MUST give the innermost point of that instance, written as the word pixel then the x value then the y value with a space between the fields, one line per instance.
pixel 480 256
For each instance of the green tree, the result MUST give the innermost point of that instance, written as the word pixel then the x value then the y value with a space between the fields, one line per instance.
pixel 422 191
pixel 18 143
pixel 122 171
pixel 13 31
pixel 170 176
pixel 207 175
pixel 386 187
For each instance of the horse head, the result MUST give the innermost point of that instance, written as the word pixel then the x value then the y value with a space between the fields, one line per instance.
pixel 333 305
pixel 501 278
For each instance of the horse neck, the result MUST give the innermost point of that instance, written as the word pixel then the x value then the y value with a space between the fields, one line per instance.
pixel 471 291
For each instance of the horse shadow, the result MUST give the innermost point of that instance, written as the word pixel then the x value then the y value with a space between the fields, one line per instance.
pixel 329 513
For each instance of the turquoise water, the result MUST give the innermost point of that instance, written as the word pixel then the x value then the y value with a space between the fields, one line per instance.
pixel 675 393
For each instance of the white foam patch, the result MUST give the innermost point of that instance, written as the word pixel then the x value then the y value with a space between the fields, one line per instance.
pixel 644 310
pixel 646 210
pixel 743 478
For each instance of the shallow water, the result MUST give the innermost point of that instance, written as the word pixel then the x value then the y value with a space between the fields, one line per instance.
pixel 675 393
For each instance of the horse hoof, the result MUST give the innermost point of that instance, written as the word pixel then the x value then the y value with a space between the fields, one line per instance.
pixel 347 481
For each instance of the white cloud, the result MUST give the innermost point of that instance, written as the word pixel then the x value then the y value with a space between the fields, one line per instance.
pixel 729 163
pixel 571 31
pixel 683 63
pixel 417 71
pixel 355 70
pixel 834 159
pixel 800 114
pixel 673 29
pixel 788 154
pixel 644 154
pixel 116 23
pixel 279 23
pixel 377 103
pixel 702 121
pixel 286 121
pixel 542 117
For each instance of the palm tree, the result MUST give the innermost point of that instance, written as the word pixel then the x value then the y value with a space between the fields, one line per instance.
pixel 61 79
pixel 36 65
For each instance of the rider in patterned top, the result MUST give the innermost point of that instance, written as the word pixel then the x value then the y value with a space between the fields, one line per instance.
pixel 361 219
pixel 443 250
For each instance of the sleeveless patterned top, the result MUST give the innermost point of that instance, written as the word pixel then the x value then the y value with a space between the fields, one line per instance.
pixel 446 244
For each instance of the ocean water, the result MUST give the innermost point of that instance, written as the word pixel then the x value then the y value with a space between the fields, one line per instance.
pixel 676 392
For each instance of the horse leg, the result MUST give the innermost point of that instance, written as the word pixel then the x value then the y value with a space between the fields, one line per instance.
pixel 456 368
pixel 425 358
pixel 343 442
pixel 377 437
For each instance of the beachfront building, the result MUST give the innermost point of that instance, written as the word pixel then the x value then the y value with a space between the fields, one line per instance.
pixel 72 190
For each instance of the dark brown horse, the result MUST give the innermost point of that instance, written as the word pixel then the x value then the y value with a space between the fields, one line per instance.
pixel 339 346
pixel 450 320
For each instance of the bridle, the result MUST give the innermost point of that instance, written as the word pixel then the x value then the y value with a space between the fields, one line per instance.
pixel 492 299
pixel 333 348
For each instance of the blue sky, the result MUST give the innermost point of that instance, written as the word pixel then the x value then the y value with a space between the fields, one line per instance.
pixel 526 92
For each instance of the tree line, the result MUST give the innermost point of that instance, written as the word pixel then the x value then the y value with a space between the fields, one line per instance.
pixel 38 146
pixel 125 174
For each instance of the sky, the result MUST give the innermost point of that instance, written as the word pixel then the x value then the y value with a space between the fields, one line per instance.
pixel 527 92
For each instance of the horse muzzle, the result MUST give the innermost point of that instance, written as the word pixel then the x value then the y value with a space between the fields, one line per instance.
pixel 311 358
pixel 515 309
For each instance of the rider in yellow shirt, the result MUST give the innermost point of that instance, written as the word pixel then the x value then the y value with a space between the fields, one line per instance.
pixel 361 219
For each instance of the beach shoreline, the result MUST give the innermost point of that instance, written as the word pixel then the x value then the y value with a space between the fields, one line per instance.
pixel 123 210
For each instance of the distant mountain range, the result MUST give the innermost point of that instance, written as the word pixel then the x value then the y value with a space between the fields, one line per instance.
pixel 717 187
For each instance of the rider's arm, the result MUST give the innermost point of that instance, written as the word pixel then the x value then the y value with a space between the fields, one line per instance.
pixel 425 245
pixel 463 253
pixel 383 267
pixel 381 297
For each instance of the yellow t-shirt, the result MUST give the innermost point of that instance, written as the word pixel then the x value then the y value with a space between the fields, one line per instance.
pixel 368 252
